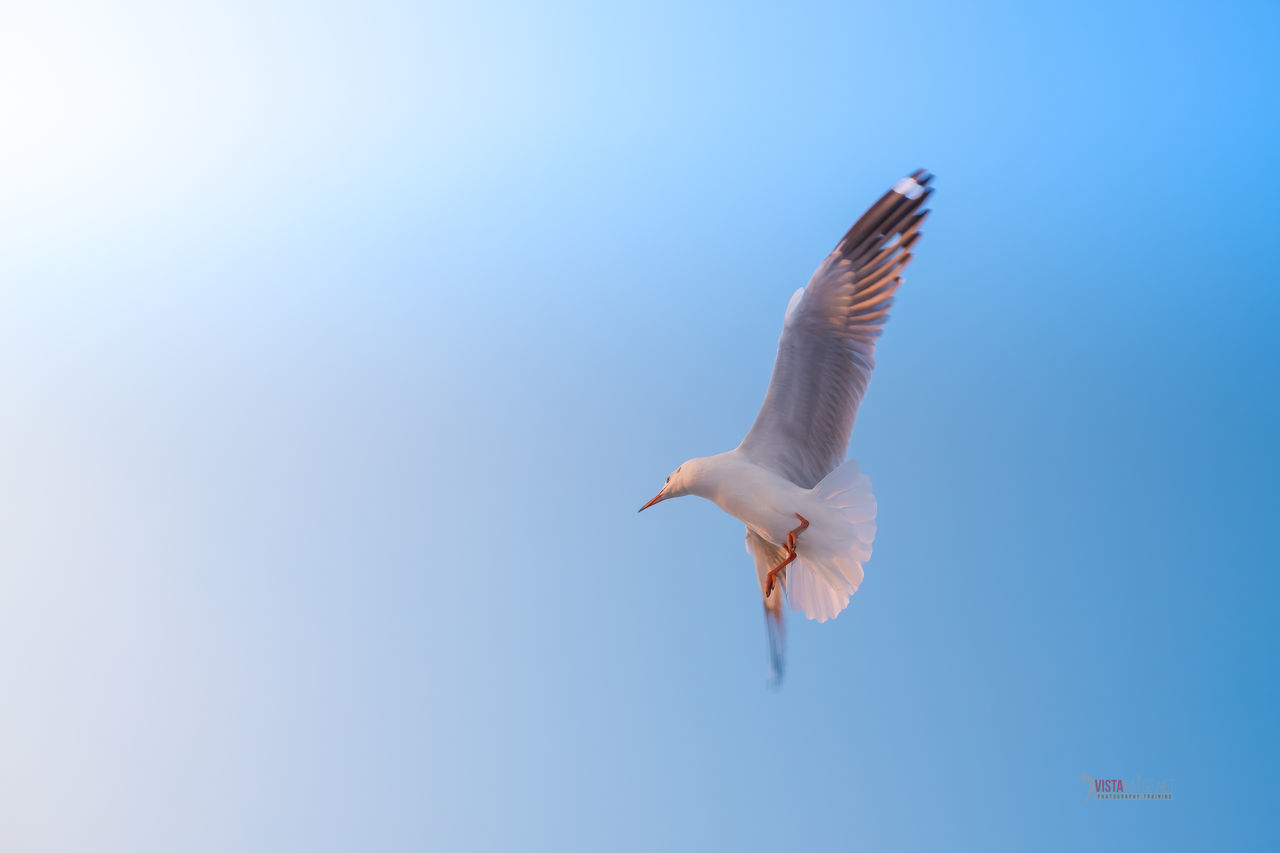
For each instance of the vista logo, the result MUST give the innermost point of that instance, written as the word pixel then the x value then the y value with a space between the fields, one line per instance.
pixel 1132 789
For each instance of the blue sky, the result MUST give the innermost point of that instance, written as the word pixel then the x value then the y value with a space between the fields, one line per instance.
pixel 341 342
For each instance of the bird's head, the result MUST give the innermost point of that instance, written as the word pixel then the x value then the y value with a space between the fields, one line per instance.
pixel 679 483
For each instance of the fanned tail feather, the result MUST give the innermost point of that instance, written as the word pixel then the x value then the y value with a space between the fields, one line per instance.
pixel 828 569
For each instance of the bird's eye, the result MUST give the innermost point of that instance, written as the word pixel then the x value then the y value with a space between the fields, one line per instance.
pixel 668 479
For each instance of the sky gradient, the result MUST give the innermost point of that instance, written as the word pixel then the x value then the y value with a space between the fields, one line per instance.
pixel 339 344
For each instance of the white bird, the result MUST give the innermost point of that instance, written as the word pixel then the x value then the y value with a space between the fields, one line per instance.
pixel 810 516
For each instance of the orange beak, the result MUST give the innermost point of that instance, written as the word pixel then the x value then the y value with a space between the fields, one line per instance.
pixel 656 498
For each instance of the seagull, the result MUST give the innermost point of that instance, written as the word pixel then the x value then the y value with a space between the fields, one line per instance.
pixel 810 514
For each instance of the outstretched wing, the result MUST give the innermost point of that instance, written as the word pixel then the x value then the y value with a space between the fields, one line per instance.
pixel 826 353
pixel 767 555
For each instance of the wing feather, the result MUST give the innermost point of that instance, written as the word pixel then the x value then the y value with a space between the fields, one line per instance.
pixel 766 556
pixel 827 350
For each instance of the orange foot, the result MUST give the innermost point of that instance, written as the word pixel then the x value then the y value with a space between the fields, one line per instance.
pixel 793 537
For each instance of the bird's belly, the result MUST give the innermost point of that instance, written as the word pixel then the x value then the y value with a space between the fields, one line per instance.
pixel 770 516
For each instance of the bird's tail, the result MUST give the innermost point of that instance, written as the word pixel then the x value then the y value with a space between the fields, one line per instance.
pixel 828 566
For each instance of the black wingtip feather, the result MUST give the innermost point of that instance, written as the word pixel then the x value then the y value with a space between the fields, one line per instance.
pixel 892 214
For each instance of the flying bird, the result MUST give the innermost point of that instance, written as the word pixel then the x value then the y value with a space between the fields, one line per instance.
pixel 810 514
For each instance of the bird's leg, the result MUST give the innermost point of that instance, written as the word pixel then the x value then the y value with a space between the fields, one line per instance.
pixel 773 573
pixel 793 537
pixel 804 525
